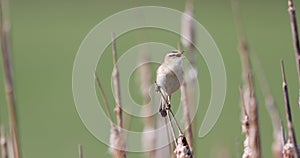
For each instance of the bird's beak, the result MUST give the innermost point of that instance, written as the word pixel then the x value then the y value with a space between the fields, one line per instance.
pixel 181 53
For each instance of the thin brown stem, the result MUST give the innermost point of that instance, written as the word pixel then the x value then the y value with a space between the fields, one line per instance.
pixel 145 84
pixel 104 98
pixel 243 101
pixel 7 65
pixel 170 110
pixel 80 153
pixel 291 132
pixel 186 109
pixel 188 96
pixel 176 122
pixel 171 145
pixel 249 93
pixel 116 78
pixel 282 133
pixel 172 128
pixel 187 119
pixel 188 27
pixel 247 153
pixel 270 105
pixel 180 147
pixel 294 29
pixel 120 152
pixel 269 99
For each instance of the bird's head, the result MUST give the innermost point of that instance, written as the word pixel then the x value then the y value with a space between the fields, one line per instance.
pixel 173 56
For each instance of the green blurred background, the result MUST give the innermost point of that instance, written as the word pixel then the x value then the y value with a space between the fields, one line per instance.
pixel 47 34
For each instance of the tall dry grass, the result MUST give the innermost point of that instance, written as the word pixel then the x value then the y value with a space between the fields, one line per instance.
pixel 183 141
pixel 252 145
pixel 8 75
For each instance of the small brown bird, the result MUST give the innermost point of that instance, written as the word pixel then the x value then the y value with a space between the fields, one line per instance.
pixel 168 78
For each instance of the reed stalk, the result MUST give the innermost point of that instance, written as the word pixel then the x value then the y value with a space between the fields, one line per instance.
pixel 249 97
pixel 8 75
pixel 292 142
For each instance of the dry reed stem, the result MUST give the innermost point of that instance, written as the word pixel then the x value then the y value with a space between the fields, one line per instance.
pixel 182 147
pixel 172 128
pixel 271 106
pixel 7 65
pixel 288 150
pixel 145 82
pixel 118 108
pixel 117 134
pixel 176 122
pixel 282 133
pixel 168 114
pixel 169 105
pixel 168 120
pixel 104 98
pixel 294 29
pixel 186 111
pixel 149 140
pixel 188 37
pixel 188 40
pixel 243 102
pixel 291 132
pixel 80 153
pixel 188 26
pixel 186 114
pixel 252 107
pixel 3 143
pixel 245 128
pixel 171 145
pixel 166 151
pixel 249 94
pixel 11 147
pixel 117 143
pixel 117 140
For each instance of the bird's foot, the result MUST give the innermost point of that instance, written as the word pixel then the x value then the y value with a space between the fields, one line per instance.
pixel 162 111
pixel 168 107
pixel 157 88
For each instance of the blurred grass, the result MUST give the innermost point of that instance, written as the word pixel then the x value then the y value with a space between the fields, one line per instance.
pixel 47 34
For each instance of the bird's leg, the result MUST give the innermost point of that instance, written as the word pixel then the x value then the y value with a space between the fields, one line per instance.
pixel 168 103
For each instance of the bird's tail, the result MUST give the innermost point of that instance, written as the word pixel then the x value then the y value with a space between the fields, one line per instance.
pixel 162 107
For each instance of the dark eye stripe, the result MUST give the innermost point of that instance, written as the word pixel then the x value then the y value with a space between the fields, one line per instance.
pixel 171 55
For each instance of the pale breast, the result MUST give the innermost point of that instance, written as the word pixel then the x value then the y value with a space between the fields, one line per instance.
pixel 167 79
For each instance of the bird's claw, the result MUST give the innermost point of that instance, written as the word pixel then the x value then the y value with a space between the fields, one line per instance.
pixel 168 107
pixel 157 88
